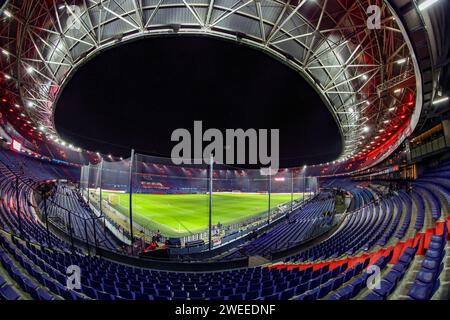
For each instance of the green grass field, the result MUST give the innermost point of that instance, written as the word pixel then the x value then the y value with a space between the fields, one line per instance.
pixel 182 215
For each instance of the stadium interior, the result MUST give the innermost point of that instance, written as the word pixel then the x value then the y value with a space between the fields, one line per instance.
pixel 92 206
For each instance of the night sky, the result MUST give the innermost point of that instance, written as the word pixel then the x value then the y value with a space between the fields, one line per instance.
pixel 135 95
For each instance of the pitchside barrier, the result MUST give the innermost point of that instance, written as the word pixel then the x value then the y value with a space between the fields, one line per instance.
pixel 112 226
pixel 232 231
pixel 117 189
pixel 233 239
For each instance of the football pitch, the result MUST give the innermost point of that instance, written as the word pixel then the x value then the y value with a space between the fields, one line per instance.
pixel 185 214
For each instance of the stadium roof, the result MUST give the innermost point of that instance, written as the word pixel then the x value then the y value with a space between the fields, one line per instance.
pixel 161 84
pixel 370 79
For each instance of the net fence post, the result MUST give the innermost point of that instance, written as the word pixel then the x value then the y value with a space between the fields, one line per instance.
pixel 87 238
pixel 70 230
pixel 292 190
pixel 19 215
pixel 131 199
pixel 100 183
pixel 88 176
pixel 270 191
pixel 44 196
pixel 95 233
pixel 211 163
pixel 304 186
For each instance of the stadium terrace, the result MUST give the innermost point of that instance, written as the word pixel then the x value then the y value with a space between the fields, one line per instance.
pixel 334 186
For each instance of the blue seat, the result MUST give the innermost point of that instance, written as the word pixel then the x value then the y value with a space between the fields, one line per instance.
pixel 439 239
pixel 161 286
pixel 9 293
pixel 386 288
pixel 373 296
pixel 325 277
pixel 354 287
pixel 273 297
pixel 135 287
pixel 334 296
pixel 202 287
pixel 343 267
pixel 251 295
pixel 43 295
pixel 267 291
pixel 255 286
pixel 70 295
pixel 400 267
pixel 316 273
pixel 164 293
pixel 335 272
pixel 104 296
pixel 287 294
pixel 425 277
pixel 51 285
pixel 196 294
pixel 126 294
pixel 239 290
pixel 433 254
pixel 301 288
pixel 349 274
pixel 436 245
pixel 109 281
pixel 314 283
pixel 90 292
pixel 97 285
pixel 337 282
pixel 110 289
pixel 211 293
pixel 293 283
pixel 425 285
pixel 236 297
pixel 311 295
pixel 405 259
pixel 141 296
pixel 324 290
pixel 149 291
pixel 180 294
pixel 358 268
pixel 281 287
pixel 393 277
pixel 420 291
pixel 431 265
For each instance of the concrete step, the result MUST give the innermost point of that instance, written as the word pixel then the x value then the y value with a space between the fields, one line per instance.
pixel 255 261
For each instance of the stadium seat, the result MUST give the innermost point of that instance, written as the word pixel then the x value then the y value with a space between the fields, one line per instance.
pixel 7 292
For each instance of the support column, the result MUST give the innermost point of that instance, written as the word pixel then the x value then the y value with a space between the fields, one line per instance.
pixel 131 199
pixel 46 220
pixel 19 214
pixel 304 186
pixel 87 238
pixel 270 191
pixel 70 230
pixel 101 181
pixel 88 175
pixel 211 164
pixel 292 190
pixel 95 232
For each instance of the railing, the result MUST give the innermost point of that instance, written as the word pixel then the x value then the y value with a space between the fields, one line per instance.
pixel 428 148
